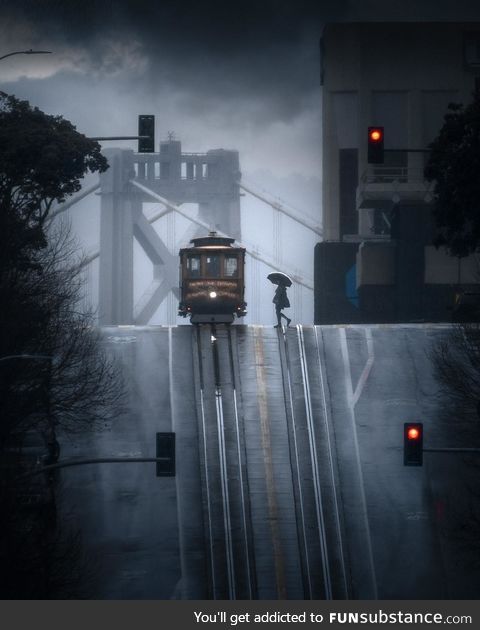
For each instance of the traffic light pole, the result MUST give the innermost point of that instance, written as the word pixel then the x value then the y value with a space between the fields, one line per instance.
pixel 100 138
pixel 145 137
pixel 102 460
pixel 406 150
pixel 451 450
pixel 413 448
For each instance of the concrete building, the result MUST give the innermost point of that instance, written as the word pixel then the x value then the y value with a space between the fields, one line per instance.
pixel 376 263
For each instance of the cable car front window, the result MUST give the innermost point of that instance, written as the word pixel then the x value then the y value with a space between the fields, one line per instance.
pixel 212 267
pixel 193 266
pixel 230 266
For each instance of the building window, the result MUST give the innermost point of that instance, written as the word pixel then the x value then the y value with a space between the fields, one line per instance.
pixel 471 49
pixel 390 110
pixel 348 182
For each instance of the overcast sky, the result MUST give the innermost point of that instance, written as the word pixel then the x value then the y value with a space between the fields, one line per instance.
pixel 241 75
pixel 220 73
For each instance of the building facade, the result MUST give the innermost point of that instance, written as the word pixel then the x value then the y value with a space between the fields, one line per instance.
pixel 376 262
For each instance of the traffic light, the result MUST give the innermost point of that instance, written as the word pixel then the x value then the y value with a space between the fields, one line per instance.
pixel 166 450
pixel 375 145
pixel 412 444
pixel 146 131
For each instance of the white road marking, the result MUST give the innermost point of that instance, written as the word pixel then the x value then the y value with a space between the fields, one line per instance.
pixel 366 370
pixel 350 400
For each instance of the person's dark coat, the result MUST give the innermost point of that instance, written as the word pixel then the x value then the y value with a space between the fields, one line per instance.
pixel 280 298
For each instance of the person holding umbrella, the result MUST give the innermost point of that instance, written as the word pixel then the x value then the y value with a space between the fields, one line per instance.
pixel 280 299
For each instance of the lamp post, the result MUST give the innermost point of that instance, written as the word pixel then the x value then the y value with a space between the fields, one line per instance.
pixel 27 52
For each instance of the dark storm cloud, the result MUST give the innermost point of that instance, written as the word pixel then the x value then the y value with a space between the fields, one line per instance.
pixel 212 53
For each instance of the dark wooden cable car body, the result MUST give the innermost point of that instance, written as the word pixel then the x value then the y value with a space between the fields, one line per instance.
pixel 212 280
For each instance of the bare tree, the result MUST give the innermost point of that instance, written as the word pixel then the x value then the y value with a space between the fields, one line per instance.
pixel 456 362
pixel 78 386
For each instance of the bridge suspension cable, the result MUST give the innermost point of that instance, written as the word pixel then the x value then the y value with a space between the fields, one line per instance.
pixel 68 204
pixel 172 207
pixel 281 208
pixel 175 208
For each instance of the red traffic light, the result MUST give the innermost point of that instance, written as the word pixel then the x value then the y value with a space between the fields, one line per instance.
pixel 375 134
pixel 375 145
pixel 413 433
pixel 413 444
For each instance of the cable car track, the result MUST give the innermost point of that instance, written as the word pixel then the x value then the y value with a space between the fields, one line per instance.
pixel 314 462
pixel 332 472
pixel 295 466
pixel 228 527
pixel 311 518
pixel 313 470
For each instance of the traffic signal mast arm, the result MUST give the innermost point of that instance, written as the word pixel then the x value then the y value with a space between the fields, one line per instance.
pixel 447 449
pixel 406 150
pixel 67 463
pixel 413 445
pixel 375 146
pixel 100 138
pixel 146 134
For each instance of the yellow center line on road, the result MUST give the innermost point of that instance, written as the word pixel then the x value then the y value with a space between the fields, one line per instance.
pixel 267 457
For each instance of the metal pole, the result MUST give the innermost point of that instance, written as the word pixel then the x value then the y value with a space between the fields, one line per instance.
pixel 407 150
pixel 83 462
pixel 98 138
pixel 451 450
pixel 27 356
pixel 27 52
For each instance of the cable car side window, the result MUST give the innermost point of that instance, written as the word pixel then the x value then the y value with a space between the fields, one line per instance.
pixel 193 266
pixel 231 266
pixel 212 266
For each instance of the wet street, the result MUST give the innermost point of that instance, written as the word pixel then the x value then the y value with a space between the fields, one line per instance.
pixel 290 481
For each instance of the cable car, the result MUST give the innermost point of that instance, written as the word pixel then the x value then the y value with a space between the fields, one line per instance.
pixel 212 280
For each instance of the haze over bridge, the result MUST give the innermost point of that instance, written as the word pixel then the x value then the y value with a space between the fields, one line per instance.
pixel 174 180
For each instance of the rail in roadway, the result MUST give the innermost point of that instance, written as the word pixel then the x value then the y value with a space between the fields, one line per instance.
pixel 272 518
pixel 314 467
pixel 223 466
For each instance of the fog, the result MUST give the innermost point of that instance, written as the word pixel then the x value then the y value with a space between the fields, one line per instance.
pixel 243 76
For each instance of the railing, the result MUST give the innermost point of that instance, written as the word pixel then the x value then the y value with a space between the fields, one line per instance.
pixel 191 167
pixel 394 174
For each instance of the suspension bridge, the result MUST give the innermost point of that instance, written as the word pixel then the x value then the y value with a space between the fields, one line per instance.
pixel 172 179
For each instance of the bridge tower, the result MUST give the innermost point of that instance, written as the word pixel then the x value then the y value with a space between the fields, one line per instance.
pixel 209 179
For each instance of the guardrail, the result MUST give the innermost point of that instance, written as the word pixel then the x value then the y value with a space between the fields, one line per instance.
pixel 394 174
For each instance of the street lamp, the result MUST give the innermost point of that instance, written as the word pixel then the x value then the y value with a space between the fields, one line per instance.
pixel 27 52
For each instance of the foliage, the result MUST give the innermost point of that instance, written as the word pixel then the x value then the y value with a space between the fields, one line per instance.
pixel 79 387
pixel 454 165
pixel 456 362
pixel 75 386
pixel 42 160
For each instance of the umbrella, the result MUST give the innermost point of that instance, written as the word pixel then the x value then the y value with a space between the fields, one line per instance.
pixel 277 277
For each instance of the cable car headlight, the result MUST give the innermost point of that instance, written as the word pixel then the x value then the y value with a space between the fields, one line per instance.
pixel 213 294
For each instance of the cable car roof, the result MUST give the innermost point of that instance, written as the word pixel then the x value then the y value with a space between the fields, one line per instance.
pixel 212 240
